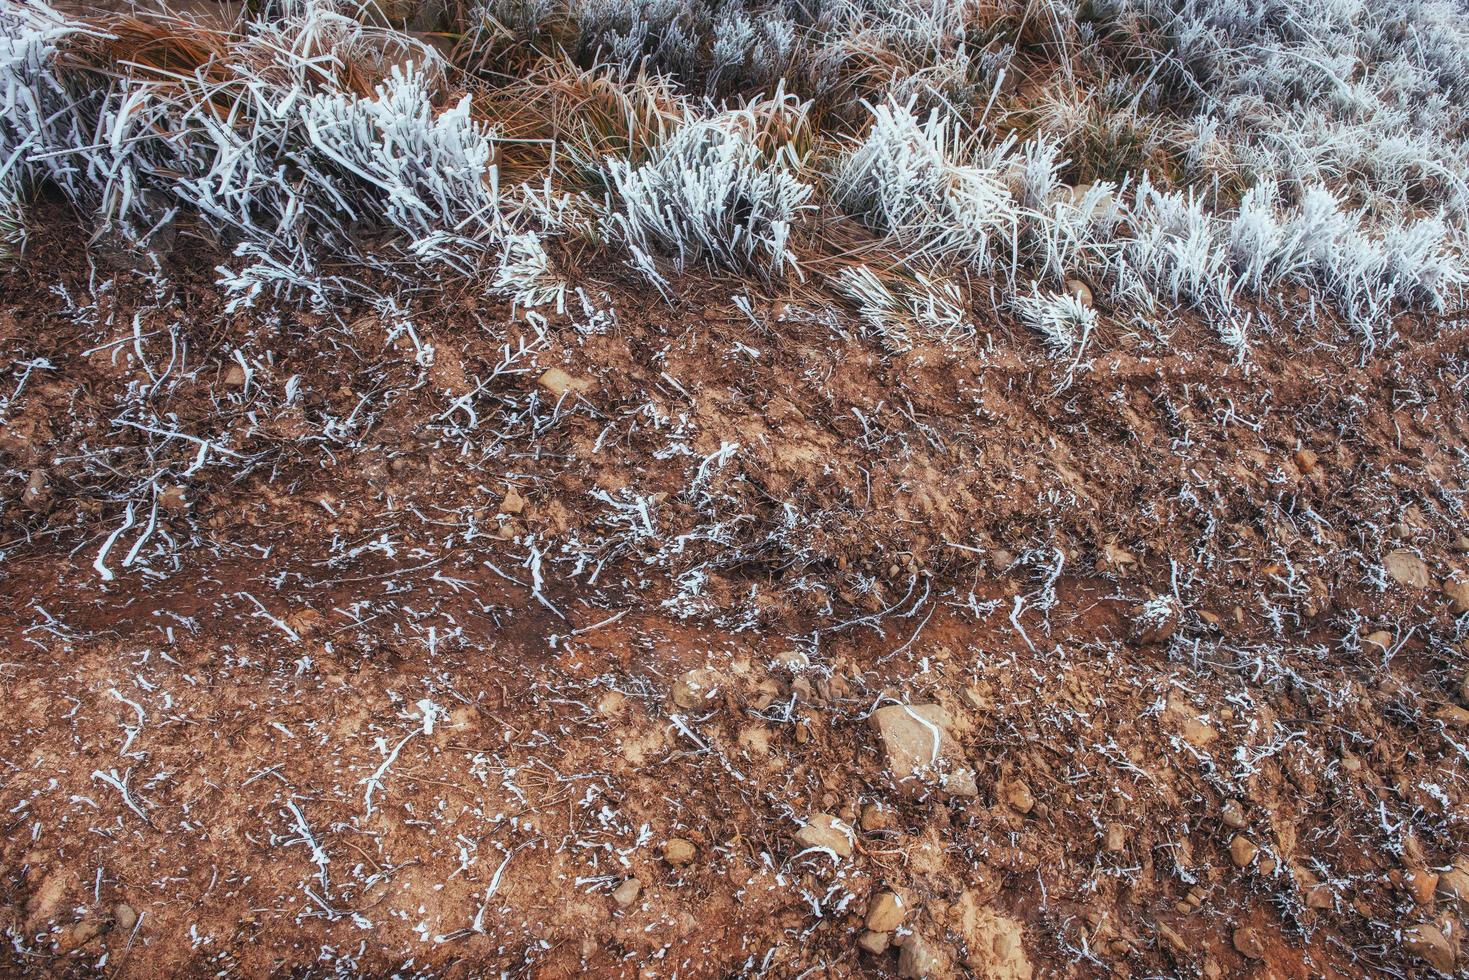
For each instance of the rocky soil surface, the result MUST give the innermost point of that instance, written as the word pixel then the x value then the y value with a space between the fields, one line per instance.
pixel 709 640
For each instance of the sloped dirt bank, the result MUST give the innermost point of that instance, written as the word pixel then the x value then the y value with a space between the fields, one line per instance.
pixel 355 643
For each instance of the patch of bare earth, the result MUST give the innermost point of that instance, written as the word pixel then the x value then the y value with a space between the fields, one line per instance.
pixel 740 646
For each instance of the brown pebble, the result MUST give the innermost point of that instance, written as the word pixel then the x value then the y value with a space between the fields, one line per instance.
pixel 124 915
pixel 1248 943
pixel 679 852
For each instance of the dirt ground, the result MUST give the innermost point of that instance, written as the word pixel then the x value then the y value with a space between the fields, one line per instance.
pixel 353 643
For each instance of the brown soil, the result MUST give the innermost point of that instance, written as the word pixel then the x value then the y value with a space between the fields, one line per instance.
pixel 322 721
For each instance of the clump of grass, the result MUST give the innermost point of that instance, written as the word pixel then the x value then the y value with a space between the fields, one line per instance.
pixel 710 191
pixel 913 181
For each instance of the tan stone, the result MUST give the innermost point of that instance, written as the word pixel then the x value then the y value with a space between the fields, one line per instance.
pixel 912 736
pixel 696 689
pixel 1427 942
pixel 1081 291
pixel 1189 722
pixel 917 958
pixel 827 832
pixel 1457 591
pixel 679 852
pixel 124 915
pixel 876 817
pixel 1422 885
pixel 627 892
pixel 560 384
pixel 1453 716
pixel 1407 569
pixel 513 503
pixel 1242 851
pixel 1018 795
pixel 875 943
pixel 885 912
pixel 1247 943
pixel 1453 885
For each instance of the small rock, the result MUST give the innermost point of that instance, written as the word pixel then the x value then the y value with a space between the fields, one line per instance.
pixel 1457 591
pixel 124 915
pixel 917 959
pixel 513 503
pixel 1461 543
pixel 1248 943
pixel 912 736
pixel 1242 851
pixel 37 492
pixel 1318 895
pixel 627 892
pixel 1115 839
pixel 234 377
pixel 1081 291
pixel 876 817
pixel 1453 885
pixel 960 782
pixel 1381 639
pixel 828 833
pixel 1306 460
pixel 1017 793
pixel 1422 884
pixel 679 852
pixel 696 689
pixel 1233 815
pixel 1429 944
pixel 559 383
pixel 1453 716
pixel 1406 568
pixel 885 912
pixel 875 943
pixel 81 933
pixel 1194 729
pixel 1172 938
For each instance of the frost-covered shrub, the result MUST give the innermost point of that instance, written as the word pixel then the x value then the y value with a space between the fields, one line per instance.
pixel 891 307
pixel 266 142
pixel 1062 320
pixel 12 221
pixel 664 35
pixel 909 179
pixel 709 191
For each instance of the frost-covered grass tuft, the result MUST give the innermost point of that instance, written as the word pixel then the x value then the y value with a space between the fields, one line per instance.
pixel 276 146
pixel 709 191
pixel 1063 321
pixel 894 304
pixel 913 181
pixel 1197 154
pixel 12 222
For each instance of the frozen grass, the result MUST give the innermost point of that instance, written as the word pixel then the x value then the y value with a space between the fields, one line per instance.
pixel 1172 154
pixel 12 222
pixel 913 181
pixel 292 152
pixel 710 191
